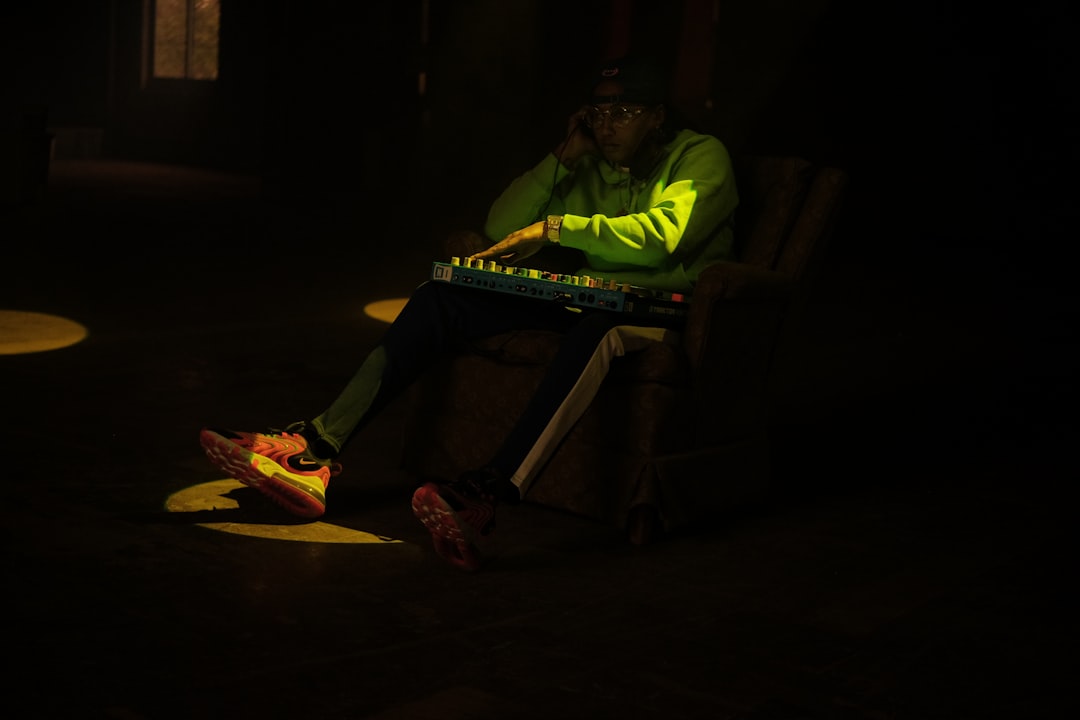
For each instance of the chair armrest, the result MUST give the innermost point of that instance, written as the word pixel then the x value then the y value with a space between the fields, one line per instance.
pixel 740 281
pixel 720 290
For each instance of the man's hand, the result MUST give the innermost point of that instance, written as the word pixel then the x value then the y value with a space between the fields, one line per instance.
pixel 517 246
pixel 579 140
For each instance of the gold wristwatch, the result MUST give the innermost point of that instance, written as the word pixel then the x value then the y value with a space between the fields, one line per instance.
pixel 552 227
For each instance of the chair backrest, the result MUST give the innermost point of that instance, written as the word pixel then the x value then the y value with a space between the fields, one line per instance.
pixel 814 225
pixel 786 209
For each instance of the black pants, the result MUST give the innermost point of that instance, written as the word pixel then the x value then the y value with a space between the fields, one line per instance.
pixel 442 318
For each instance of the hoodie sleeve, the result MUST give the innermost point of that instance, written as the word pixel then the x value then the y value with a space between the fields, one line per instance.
pixel 672 220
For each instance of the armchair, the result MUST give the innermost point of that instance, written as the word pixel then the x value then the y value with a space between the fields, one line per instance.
pixel 678 429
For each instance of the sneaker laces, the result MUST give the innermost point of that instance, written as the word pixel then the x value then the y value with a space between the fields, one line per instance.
pixel 299 429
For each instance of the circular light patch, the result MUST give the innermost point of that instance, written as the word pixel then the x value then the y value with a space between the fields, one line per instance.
pixel 213 496
pixel 30 332
pixel 385 310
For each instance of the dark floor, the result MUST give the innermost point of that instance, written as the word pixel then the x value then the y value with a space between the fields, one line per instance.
pixel 912 559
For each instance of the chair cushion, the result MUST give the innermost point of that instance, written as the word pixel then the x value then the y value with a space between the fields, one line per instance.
pixel 490 386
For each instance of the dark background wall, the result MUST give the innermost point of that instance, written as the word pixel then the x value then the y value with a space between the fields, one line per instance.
pixel 951 118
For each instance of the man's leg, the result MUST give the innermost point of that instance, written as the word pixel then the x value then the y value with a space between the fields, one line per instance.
pixel 293 466
pixel 567 390
pixel 460 514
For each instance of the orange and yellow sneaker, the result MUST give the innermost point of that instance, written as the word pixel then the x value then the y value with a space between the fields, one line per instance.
pixel 275 463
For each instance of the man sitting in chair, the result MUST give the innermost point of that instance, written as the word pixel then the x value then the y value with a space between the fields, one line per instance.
pixel 643 205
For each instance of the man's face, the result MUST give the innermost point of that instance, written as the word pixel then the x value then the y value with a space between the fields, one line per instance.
pixel 620 128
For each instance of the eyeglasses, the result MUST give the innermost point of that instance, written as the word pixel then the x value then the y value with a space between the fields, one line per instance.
pixel 619 115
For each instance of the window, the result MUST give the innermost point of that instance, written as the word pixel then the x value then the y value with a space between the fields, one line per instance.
pixel 186 39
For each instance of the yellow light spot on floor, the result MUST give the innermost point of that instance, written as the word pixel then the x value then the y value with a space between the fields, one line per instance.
pixel 385 310
pixel 30 332
pixel 209 498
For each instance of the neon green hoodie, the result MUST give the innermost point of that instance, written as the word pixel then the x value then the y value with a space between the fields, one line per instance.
pixel 657 233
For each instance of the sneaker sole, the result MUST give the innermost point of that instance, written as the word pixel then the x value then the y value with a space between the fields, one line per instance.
pixel 275 482
pixel 453 538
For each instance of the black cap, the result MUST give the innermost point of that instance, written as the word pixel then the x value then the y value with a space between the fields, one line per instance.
pixel 641 79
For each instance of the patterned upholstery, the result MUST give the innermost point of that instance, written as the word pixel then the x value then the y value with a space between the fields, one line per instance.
pixel 679 429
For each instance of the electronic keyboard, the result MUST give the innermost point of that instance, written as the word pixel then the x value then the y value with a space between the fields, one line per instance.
pixel 581 291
